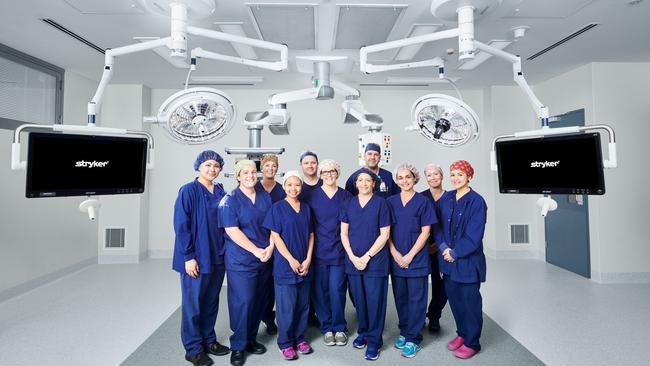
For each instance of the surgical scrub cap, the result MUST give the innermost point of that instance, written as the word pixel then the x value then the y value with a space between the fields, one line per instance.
pixel 435 167
pixel 289 174
pixel 410 168
pixel 372 174
pixel 331 164
pixel 373 147
pixel 242 164
pixel 464 166
pixel 207 155
pixel 308 153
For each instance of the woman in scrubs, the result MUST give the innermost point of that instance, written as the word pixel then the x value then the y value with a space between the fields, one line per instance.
pixel 269 166
pixel 292 234
pixel 330 284
pixel 198 257
pixel 463 214
pixel 365 228
pixel 248 250
pixel 410 266
pixel 434 193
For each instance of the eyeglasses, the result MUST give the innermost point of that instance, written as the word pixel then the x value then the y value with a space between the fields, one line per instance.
pixel 328 172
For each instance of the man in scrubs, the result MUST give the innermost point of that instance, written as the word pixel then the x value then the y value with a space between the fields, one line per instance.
pixel 372 157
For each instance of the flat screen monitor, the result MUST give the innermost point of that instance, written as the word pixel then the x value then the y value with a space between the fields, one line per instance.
pixel 567 164
pixel 83 165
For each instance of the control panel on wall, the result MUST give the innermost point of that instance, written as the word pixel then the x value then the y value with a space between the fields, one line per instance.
pixel 381 139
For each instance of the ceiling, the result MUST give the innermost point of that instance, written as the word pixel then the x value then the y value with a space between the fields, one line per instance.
pixel 329 27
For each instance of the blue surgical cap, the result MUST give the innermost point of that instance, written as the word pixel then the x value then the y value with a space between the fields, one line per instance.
pixel 373 147
pixel 308 153
pixel 208 155
pixel 372 174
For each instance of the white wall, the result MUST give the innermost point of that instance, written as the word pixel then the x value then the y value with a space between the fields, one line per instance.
pixel 41 239
pixel 318 126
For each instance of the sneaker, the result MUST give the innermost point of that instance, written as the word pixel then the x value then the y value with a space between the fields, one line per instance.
pixel 304 348
pixel 359 342
pixel 289 354
pixel 372 354
pixel 465 352
pixel 341 339
pixel 400 342
pixel 455 343
pixel 329 339
pixel 410 349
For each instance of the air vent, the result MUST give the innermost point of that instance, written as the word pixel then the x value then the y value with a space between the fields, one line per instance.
pixel 563 40
pixel 115 237
pixel 73 35
pixel 519 234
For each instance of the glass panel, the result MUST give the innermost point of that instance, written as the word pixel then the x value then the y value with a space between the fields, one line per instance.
pixel 26 94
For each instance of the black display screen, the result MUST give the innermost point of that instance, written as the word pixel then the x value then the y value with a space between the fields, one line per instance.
pixel 83 165
pixel 568 164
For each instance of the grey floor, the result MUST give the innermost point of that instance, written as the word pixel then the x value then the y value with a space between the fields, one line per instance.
pixel 102 314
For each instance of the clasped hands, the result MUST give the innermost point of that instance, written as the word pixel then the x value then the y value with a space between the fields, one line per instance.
pixel 298 268
pixel 446 255
pixel 264 254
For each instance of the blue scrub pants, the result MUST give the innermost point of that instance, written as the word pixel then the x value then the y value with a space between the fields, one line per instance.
pixel 267 312
pixel 199 306
pixel 467 306
pixel 411 295
pixel 292 311
pixel 370 298
pixel 438 295
pixel 248 292
pixel 328 296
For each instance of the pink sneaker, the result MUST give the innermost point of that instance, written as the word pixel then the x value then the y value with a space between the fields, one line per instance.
pixel 304 348
pixel 289 353
pixel 455 343
pixel 465 352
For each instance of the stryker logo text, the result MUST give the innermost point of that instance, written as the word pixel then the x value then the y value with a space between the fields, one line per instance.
pixel 544 164
pixel 91 164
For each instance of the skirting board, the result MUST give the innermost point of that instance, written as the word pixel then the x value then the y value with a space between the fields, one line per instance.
pixel 620 277
pixel 45 279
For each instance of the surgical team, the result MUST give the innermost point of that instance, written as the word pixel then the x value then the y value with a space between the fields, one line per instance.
pixel 302 245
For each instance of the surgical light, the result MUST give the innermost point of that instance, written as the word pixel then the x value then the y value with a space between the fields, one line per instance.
pixel 196 115
pixel 445 120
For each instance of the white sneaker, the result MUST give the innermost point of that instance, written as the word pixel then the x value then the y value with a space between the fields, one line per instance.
pixel 329 339
pixel 341 339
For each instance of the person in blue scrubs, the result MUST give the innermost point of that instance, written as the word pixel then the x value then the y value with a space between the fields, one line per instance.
pixel 292 234
pixel 434 193
pixel 386 186
pixel 463 214
pixel 365 228
pixel 269 166
pixel 410 265
pixel 248 250
pixel 199 258
pixel 330 283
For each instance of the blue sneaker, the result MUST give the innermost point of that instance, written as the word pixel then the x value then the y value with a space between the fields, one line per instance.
pixel 410 349
pixel 400 342
pixel 359 342
pixel 372 354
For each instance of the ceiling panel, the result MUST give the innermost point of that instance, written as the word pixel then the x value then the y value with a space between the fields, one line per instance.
pixel 361 25
pixel 291 24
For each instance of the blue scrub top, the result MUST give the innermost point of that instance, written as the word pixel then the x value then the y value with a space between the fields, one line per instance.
pixel 294 229
pixel 277 193
pixel 196 224
pixel 462 226
pixel 364 224
pixel 436 207
pixel 237 210
pixel 327 227
pixel 386 188
pixel 408 224
pixel 307 190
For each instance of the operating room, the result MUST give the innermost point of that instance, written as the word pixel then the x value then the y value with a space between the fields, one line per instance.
pixel 87 279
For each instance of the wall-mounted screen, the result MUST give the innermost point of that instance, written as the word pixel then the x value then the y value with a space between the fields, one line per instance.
pixel 84 165
pixel 567 164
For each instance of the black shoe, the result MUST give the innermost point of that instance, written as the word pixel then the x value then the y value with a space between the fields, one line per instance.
pixel 217 349
pixel 200 359
pixel 255 348
pixel 434 325
pixel 237 358
pixel 313 320
pixel 271 328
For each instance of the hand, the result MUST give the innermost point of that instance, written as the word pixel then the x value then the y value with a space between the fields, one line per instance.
pixel 358 263
pixel 259 253
pixel 399 259
pixel 447 255
pixel 407 259
pixel 192 268
pixel 365 259
pixel 304 267
pixel 268 253
pixel 295 266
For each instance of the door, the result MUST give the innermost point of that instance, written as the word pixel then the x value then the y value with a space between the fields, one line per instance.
pixel 567 228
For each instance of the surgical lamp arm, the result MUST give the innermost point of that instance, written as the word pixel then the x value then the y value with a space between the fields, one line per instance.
pixel 293 96
pixel 345 89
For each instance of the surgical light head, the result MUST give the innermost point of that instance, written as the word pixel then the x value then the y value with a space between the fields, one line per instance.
pixel 445 120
